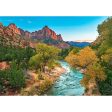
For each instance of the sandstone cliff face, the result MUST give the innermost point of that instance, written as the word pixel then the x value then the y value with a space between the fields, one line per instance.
pixel 41 34
pixel 14 29
pixel 59 37
pixel 10 30
pixel 12 35
pixel 45 33
pixel 25 34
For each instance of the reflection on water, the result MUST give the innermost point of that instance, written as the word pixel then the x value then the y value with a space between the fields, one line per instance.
pixel 68 83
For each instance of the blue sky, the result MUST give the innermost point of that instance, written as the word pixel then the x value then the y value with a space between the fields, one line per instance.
pixel 72 27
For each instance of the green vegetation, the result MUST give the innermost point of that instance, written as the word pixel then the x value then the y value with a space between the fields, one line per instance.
pixel 46 56
pixel 38 90
pixel 18 58
pixel 12 78
pixel 20 55
pixel 96 60
pixel 87 60
pixel 104 51
pixel 16 77
pixel 65 52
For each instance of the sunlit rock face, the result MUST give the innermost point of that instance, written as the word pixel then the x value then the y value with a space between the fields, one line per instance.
pixel 14 29
pixel 19 37
pixel 11 36
pixel 46 33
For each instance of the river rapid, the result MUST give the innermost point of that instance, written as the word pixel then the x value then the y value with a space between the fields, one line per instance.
pixel 68 83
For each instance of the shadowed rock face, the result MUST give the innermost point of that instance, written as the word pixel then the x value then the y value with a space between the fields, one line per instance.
pixel 25 33
pixel 59 37
pixel 18 36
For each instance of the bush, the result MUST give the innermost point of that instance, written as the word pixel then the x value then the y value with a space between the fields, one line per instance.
pixel 16 77
pixel 105 87
pixel 44 86
pixel 13 78
pixel 3 79
pixel 30 92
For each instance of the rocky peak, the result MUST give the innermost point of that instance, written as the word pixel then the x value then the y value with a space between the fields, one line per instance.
pixel 14 28
pixel 18 37
pixel 45 27
pixel 60 37
pixel 46 32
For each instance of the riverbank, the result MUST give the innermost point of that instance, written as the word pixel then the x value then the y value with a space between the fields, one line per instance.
pixel 34 86
pixel 92 88
pixel 67 84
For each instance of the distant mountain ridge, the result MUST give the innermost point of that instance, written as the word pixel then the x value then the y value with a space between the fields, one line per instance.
pixel 78 44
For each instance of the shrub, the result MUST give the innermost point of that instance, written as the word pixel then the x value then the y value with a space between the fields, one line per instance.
pixel 16 77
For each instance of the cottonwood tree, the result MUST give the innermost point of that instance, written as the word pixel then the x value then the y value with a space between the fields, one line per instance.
pixel 86 59
pixel 45 56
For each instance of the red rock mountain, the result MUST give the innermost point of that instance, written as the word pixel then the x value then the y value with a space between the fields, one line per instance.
pixel 10 35
pixel 14 29
pixel 15 35
pixel 42 34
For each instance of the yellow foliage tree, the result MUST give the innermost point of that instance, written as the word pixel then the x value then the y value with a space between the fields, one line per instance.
pixel 83 58
pixel 87 59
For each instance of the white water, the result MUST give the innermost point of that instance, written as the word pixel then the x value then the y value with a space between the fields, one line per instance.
pixel 68 83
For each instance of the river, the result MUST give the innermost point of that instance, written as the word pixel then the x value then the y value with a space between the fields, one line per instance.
pixel 68 83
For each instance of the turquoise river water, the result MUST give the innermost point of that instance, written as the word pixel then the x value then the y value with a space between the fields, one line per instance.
pixel 68 83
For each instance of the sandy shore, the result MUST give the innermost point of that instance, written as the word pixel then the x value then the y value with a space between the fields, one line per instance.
pixel 34 84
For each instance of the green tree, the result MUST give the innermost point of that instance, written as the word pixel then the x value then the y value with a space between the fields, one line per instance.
pixel 107 57
pixel 45 55
pixel 65 52
pixel 104 52
pixel 16 77
pixel 12 77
